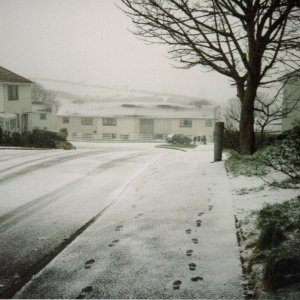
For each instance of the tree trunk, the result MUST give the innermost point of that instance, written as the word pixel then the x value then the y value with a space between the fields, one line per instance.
pixel 247 136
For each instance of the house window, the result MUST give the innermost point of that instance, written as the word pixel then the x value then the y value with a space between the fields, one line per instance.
pixel 185 123
pixel 109 122
pixel 208 123
pixel 43 116
pixel 13 93
pixel 13 125
pixel 87 121
pixel 66 120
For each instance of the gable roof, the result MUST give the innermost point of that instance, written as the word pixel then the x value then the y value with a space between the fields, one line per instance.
pixel 9 76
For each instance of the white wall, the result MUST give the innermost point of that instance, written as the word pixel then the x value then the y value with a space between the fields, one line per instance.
pixel 2 98
pixel 22 106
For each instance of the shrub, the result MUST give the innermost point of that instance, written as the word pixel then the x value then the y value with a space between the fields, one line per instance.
pixel 275 221
pixel 282 266
pixel 284 154
pixel 37 139
pixel 246 165
pixel 63 133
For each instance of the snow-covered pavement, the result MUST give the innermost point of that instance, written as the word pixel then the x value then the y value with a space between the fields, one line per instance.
pixel 137 221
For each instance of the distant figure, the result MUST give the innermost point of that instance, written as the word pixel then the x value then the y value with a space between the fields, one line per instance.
pixel 195 139
pixel 199 139
pixel 203 140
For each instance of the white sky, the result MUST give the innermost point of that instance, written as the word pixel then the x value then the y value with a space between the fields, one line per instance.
pixel 88 40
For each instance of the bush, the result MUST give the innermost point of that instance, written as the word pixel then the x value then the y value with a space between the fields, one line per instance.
pixel 284 154
pixel 246 165
pixel 37 139
pixel 275 221
pixel 282 266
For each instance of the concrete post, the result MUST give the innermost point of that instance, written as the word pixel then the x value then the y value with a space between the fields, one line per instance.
pixel 218 141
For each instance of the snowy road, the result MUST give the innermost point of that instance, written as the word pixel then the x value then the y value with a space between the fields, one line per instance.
pixel 116 221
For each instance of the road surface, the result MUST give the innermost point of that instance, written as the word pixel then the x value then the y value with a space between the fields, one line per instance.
pixel 116 221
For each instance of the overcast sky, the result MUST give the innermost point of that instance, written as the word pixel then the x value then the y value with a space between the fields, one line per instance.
pixel 89 40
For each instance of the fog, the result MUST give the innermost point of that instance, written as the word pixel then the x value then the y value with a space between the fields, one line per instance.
pixel 89 41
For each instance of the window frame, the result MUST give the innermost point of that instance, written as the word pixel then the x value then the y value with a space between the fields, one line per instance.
pixel 109 122
pixel 186 123
pixel 65 120
pixel 12 92
pixel 87 121
pixel 43 116
pixel 209 123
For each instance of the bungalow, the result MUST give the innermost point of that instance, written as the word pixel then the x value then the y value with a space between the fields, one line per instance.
pixel 15 101
pixel 136 121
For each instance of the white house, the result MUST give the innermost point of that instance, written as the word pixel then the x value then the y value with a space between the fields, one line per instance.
pixel 15 101
pixel 291 100
pixel 43 116
pixel 136 121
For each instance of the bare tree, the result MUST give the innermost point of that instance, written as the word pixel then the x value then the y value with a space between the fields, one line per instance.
pixel 40 94
pixel 267 111
pixel 250 41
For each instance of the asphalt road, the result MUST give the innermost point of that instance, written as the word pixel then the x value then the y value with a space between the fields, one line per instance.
pixel 48 197
pixel 103 222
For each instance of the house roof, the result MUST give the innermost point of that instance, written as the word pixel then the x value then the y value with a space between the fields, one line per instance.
pixel 9 76
pixel 41 107
pixel 142 110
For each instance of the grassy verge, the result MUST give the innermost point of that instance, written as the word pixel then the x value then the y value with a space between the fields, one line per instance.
pixel 269 235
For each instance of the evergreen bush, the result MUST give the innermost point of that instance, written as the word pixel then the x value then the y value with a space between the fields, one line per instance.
pixel 282 267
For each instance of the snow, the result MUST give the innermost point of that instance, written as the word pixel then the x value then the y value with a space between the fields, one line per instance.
pixel 145 200
pixel 249 195
pixel 125 109
pixel 137 247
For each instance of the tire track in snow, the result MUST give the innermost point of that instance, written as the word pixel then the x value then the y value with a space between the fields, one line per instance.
pixel 8 157
pixel 49 163
pixel 32 270
pixel 32 161
pixel 17 215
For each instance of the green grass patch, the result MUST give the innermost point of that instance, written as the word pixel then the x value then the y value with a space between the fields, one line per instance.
pixel 246 165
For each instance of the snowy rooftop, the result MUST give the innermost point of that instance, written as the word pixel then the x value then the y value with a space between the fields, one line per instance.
pixel 41 107
pixel 150 110
pixel 4 115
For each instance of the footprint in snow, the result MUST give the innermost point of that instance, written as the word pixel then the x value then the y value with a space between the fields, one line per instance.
pixel 113 243
pixel 198 223
pixel 192 266
pixel 189 252
pixel 118 228
pixel 210 207
pixel 200 214
pixel 87 289
pixel 133 205
pixel 88 264
pixel 138 216
pixel 176 284
pixel 197 278
pixel 195 241
pixel 188 231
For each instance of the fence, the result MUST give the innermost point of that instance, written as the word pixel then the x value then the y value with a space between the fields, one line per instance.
pixel 93 137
